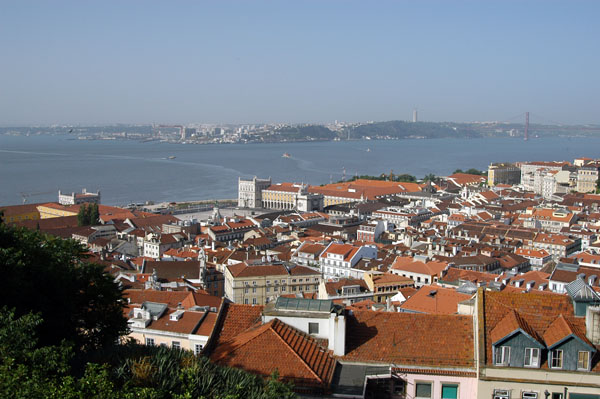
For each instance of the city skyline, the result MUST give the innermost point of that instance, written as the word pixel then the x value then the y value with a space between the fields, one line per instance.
pixel 265 62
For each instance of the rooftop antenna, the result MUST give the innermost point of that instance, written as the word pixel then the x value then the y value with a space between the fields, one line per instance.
pixel 343 173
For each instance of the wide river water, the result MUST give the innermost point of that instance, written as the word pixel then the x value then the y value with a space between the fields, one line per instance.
pixel 129 171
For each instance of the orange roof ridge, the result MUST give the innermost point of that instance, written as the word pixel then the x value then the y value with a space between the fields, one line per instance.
pixel 298 335
pixel 511 322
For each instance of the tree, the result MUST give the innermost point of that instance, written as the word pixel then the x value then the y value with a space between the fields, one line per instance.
pixel 81 218
pixel 94 215
pixel 77 301
pixel 429 177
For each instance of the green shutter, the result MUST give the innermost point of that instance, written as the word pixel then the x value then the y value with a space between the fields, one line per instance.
pixel 449 391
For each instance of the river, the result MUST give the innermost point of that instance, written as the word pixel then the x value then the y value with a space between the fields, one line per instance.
pixel 129 171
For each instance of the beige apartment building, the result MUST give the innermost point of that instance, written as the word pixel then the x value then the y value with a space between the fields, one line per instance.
pixel 259 284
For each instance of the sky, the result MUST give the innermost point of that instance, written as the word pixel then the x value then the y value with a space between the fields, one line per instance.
pixel 134 61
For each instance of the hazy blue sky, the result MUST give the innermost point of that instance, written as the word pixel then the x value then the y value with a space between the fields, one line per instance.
pixel 297 61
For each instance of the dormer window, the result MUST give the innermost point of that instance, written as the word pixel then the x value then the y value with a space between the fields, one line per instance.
pixel 583 360
pixel 502 355
pixel 532 357
pixel 556 359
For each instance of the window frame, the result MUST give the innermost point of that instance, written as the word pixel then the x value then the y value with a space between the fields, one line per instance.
pixel 531 358
pixel 587 366
pixel 176 344
pixel 429 383
pixel 554 358
pixel 311 328
pixel 150 341
pixel 501 394
pixel 504 358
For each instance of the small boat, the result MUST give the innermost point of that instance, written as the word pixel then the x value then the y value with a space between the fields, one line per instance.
pixel 286 155
pixel 368 150
pixel 172 157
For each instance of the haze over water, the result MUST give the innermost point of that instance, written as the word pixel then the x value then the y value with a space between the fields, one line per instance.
pixel 129 171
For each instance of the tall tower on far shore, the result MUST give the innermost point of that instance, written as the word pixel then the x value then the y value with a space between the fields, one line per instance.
pixel 415 118
pixel 526 126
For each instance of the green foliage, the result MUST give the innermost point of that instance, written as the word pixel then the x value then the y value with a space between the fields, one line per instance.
pixel 471 171
pixel 88 215
pixel 49 276
pixel 58 335
pixel 406 178
pixel 429 177
pixel 403 129
pixel 300 133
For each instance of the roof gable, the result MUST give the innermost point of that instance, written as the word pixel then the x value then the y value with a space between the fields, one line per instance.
pixel 275 345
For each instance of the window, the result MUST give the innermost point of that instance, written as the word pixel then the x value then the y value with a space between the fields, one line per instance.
pixel 313 328
pixel 307 287
pixel 254 290
pixel 557 395
pixel 282 288
pixel 150 341
pixel 246 301
pixel 529 395
pixel 176 344
pixel 197 349
pixel 254 301
pixel 275 289
pixel 501 394
pixel 449 391
pixel 268 289
pixel 300 280
pixel 423 390
pixel 583 360
pixel 246 290
pixel 532 357
pixel 556 359
pixel 502 355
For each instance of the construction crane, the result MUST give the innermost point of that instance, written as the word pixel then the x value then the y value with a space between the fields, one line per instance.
pixel 25 196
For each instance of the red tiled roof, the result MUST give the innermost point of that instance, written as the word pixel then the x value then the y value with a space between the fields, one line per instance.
pixel 410 338
pixel 237 318
pixel 443 301
pixel 207 325
pixel 185 325
pixel 538 309
pixel 407 263
pixel 560 329
pixel 511 322
pixel 298 357
pixel 243 270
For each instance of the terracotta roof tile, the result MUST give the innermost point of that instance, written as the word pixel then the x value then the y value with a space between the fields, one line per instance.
pixel 511 322
pixel 410 338
pixel 298 357
pixel 435 300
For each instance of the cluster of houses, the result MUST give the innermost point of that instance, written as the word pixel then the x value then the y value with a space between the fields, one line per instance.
pixel 459 287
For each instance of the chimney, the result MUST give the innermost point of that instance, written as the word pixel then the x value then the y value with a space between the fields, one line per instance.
pixel 337 334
